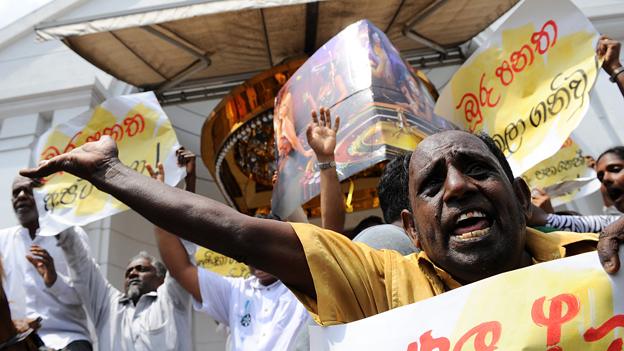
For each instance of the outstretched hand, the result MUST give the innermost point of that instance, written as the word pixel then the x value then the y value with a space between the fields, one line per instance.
pixel 609 49
pixel 321 136
pixel 82 162
pixel 43 263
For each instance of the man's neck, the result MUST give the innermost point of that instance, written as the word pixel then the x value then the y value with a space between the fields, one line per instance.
pixel 32 229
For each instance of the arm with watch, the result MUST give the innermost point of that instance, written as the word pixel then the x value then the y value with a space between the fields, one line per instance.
pixel 322 139
pixel 609 49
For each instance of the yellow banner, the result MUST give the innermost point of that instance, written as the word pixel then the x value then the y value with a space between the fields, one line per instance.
pixel 528 87
pixel 565 169
pixel 143 135
pixel 566 304
pixel 220 264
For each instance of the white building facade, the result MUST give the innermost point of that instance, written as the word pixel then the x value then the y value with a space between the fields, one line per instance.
pixel 43 84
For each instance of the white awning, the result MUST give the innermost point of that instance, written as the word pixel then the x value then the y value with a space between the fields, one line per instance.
pixel 212 41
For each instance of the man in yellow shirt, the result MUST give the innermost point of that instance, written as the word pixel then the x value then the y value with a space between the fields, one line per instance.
pixel 468 217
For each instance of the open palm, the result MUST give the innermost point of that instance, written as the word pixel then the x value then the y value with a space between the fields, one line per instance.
pixel 82 162
pixel 322 136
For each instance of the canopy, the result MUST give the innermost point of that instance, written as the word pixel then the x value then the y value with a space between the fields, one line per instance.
pixel 216 41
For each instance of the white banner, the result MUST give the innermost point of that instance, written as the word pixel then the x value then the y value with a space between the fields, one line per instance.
pixel 567 304
pixel 528 86
pixel 143 134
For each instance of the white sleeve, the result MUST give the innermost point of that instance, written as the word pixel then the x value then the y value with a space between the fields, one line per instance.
pixel 175 293
pixel 63 292
pixel 216 294
pixel 92 288
pixel 62 289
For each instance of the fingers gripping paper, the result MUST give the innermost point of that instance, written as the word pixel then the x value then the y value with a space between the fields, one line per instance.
pixel 528 87
pixel 141 130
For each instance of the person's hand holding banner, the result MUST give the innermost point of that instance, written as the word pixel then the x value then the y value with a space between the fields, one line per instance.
pixel 131 129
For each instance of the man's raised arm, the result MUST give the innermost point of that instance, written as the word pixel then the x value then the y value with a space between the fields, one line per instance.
pixel 322 139
pixel 271 246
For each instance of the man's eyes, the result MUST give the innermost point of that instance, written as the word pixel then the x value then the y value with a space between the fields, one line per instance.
pixel 431 186
pixel 478 171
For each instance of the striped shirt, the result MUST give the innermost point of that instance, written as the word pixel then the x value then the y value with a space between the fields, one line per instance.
pixel 580 224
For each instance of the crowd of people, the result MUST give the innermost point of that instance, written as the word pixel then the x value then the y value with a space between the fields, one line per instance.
pixel 453 214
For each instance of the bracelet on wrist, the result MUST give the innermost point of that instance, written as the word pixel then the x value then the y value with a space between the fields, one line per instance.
pixel 616 73
pixel 326 165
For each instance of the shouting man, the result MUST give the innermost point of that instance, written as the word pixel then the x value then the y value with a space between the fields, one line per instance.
pixel 468 216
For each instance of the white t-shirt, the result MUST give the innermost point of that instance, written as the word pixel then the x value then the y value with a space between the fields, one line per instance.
pixel 259 317
pixel 60 307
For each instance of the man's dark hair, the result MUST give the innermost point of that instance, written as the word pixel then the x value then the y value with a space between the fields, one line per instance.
pixel 618 151
pixel 491 145
pixel 365 223
pixel 393 188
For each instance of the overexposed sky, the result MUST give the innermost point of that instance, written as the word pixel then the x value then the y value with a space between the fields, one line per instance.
pixel 12 10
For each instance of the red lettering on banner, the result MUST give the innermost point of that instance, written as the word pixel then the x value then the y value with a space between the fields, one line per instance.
pixel 556 318
pixel 485 331
pixel 134 125
pixel 480 333
pixel 542 39
pixel 429 343
pixel 595 334
pixel 472 105
pixel 506 71
pixel 524 56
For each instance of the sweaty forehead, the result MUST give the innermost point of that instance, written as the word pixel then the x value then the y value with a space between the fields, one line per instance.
pixel 451 142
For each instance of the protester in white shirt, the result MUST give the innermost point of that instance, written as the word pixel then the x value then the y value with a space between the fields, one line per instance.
pixel 261 313
pixel 153 313
pixel 63 320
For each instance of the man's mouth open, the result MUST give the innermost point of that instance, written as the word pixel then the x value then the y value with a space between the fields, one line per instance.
pixel 471 225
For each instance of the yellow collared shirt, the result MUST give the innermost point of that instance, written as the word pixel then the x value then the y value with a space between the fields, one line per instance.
pixel 354 281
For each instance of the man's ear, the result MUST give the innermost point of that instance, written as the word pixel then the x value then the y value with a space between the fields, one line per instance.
pixel 410 227
pixel 523 194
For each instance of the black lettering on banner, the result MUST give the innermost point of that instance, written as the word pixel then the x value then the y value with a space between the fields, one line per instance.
pixel 566 90
pixel 577 161
pixel 79 190
pixel 512 132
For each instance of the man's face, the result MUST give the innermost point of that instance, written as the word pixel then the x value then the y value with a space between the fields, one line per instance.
pixel 467 216
pixel 610 171
pixel 141 278
pixel 24 201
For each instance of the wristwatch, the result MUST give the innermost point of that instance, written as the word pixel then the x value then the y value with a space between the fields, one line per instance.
pixel 616 73
pixel 326 165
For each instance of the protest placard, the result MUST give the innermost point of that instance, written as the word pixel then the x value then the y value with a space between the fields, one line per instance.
pixel 528 86
pixel 143 134
pixel 566 304
pixel 220 264
pixel 564 176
